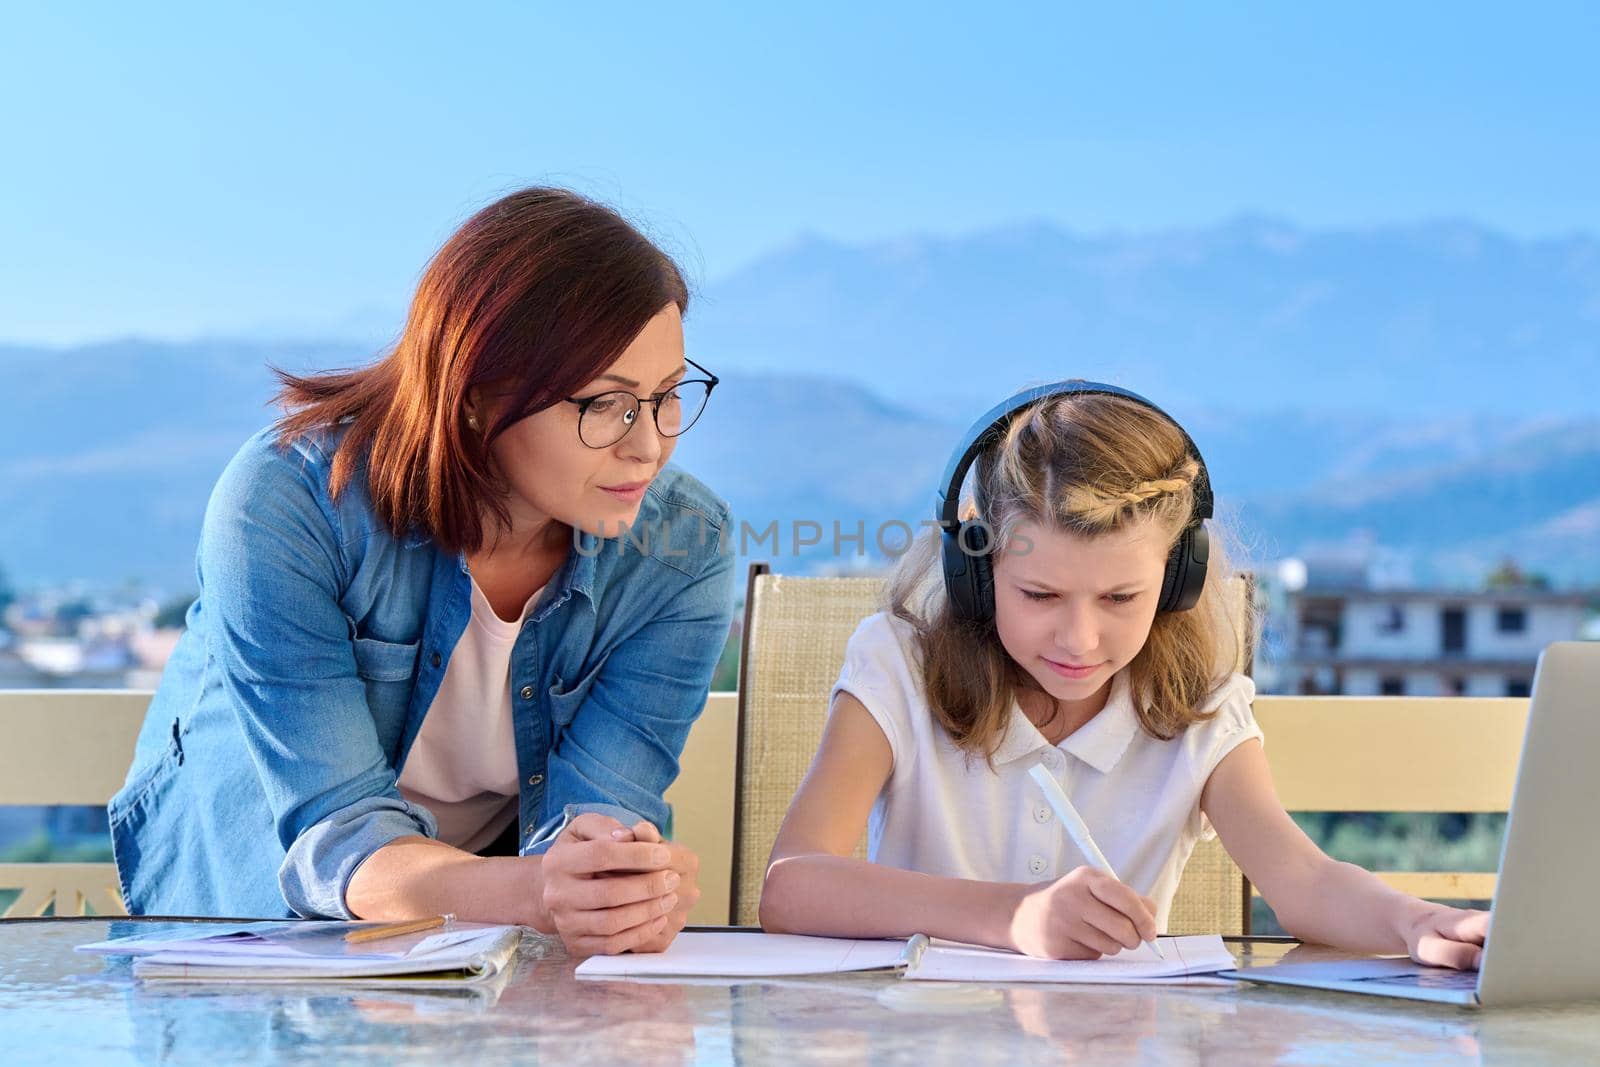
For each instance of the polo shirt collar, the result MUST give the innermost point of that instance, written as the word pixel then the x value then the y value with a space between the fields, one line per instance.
pixel 1100 742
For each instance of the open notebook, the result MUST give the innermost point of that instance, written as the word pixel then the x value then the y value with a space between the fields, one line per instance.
pixel 301 952
pixel 737 954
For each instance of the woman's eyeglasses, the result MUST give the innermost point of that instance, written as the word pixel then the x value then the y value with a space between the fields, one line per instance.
pixel 605 418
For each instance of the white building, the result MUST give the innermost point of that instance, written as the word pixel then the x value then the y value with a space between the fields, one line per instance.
pixel 1422 642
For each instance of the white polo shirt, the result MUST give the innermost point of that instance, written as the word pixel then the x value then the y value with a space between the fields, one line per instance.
pixel 945 812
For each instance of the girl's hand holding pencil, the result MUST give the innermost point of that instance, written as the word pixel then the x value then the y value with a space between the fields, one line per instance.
pixel 1083 915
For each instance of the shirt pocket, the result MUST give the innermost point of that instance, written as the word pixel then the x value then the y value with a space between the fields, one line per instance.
pixel 565 697
pixel 387 669
pixel 385 661
pixel 141 783
pixel 147 827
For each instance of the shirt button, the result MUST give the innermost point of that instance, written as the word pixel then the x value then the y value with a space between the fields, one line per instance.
pixel 1052 758
pixel 1036 864
pixel 526 692
pixel 1041 814
pixel 535 779
pixel 436 659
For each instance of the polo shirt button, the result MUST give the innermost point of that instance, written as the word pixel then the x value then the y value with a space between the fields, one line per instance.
pixel 1036 864
pixel 1052 758
pixel 1041 814
pixel 535 779
pixel 526 692
pixel 436 659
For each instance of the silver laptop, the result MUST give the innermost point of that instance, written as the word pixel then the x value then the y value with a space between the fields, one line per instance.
pixel 1544 934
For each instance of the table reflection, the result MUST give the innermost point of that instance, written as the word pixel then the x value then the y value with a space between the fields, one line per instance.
pixel 57 1005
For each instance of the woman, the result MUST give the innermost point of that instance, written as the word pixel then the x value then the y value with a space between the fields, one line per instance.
pixel 415 649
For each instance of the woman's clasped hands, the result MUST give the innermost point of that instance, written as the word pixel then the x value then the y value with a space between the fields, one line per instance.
pixel 610 888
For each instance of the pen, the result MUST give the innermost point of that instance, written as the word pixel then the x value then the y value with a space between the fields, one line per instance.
pixel 1076 828
pixel 408 926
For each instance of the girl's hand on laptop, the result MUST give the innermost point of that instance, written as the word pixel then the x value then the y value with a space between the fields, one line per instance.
pixel 1082 916
pixel 1441 936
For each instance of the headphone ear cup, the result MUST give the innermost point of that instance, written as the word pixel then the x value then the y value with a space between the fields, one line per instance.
pixel 957 584
pixel 968 573
pixel 982 567
pixel 1185 575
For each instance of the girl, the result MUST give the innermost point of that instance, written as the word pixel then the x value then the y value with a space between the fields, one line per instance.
pixel 414 656
pixel 1093 499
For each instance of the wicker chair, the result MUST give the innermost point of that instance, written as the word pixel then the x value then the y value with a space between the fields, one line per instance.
pixel 795 631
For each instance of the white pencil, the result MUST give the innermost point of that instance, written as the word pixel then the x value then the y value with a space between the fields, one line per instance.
pixel 1076 828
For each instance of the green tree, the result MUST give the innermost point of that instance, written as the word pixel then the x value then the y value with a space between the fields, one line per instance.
pixel 170 616
pixel 1510 576
pixel 70 613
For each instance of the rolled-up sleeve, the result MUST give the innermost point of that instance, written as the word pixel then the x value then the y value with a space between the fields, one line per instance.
pixel 271 571
pixel 620 751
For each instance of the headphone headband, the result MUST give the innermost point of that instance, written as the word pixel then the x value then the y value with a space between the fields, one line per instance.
pixel 992 423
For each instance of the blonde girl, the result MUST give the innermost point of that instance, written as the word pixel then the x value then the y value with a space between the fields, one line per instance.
pixel 1077 641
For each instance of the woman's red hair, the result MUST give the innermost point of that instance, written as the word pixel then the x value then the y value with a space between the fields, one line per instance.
pixel 530 299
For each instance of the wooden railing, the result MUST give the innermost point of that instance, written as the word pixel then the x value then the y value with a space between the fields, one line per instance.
pixel 1367 754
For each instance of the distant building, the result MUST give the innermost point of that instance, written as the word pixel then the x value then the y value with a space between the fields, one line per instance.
pixel 1423 642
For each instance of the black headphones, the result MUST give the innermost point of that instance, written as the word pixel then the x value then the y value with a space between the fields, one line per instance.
pixel 965 546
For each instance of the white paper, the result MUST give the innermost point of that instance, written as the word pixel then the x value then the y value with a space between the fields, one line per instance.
pixel 146 943
pixel 757 955
pixel 1201 954
pixel 316 950
pixel 749 955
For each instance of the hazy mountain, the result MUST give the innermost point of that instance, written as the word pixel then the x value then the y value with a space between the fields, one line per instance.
pixel 109 454
pixel 1431 320
pixel 108 451
pixel 1529 491
pixel 1453 497
pixel 1432 388
pixel 63 401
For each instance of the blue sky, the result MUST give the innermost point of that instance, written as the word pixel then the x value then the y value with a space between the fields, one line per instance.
pixel 178 169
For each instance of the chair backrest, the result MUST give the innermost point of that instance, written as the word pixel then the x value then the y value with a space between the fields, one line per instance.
pixel 65 746
pixel 1213 895
pixel 795 632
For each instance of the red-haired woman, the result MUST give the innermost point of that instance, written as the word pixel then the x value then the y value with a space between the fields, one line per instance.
pixel 424 673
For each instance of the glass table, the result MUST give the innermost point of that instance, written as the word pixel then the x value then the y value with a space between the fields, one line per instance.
pixel 61 1006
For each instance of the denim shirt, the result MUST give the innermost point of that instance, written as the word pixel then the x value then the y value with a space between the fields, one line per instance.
pixel 266 769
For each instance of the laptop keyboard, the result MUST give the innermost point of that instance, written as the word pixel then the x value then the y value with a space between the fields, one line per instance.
pixel 1429 979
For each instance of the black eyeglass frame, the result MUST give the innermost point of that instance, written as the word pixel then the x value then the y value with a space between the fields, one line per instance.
pixel 710 381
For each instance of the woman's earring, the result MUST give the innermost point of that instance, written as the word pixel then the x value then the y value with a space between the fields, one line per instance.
pixel 472 421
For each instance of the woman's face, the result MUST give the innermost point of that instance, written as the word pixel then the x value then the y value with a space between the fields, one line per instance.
pixel 553 475
pixel 1072 611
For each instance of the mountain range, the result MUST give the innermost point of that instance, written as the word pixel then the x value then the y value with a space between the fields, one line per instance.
pixel 1414 321
pixel 1428 389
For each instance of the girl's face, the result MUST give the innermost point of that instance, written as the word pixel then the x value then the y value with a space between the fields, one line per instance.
pixel 553 475
pixel 1073 610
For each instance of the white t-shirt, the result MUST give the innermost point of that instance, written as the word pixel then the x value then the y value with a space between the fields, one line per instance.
pixel 945 812
pixel 463 765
